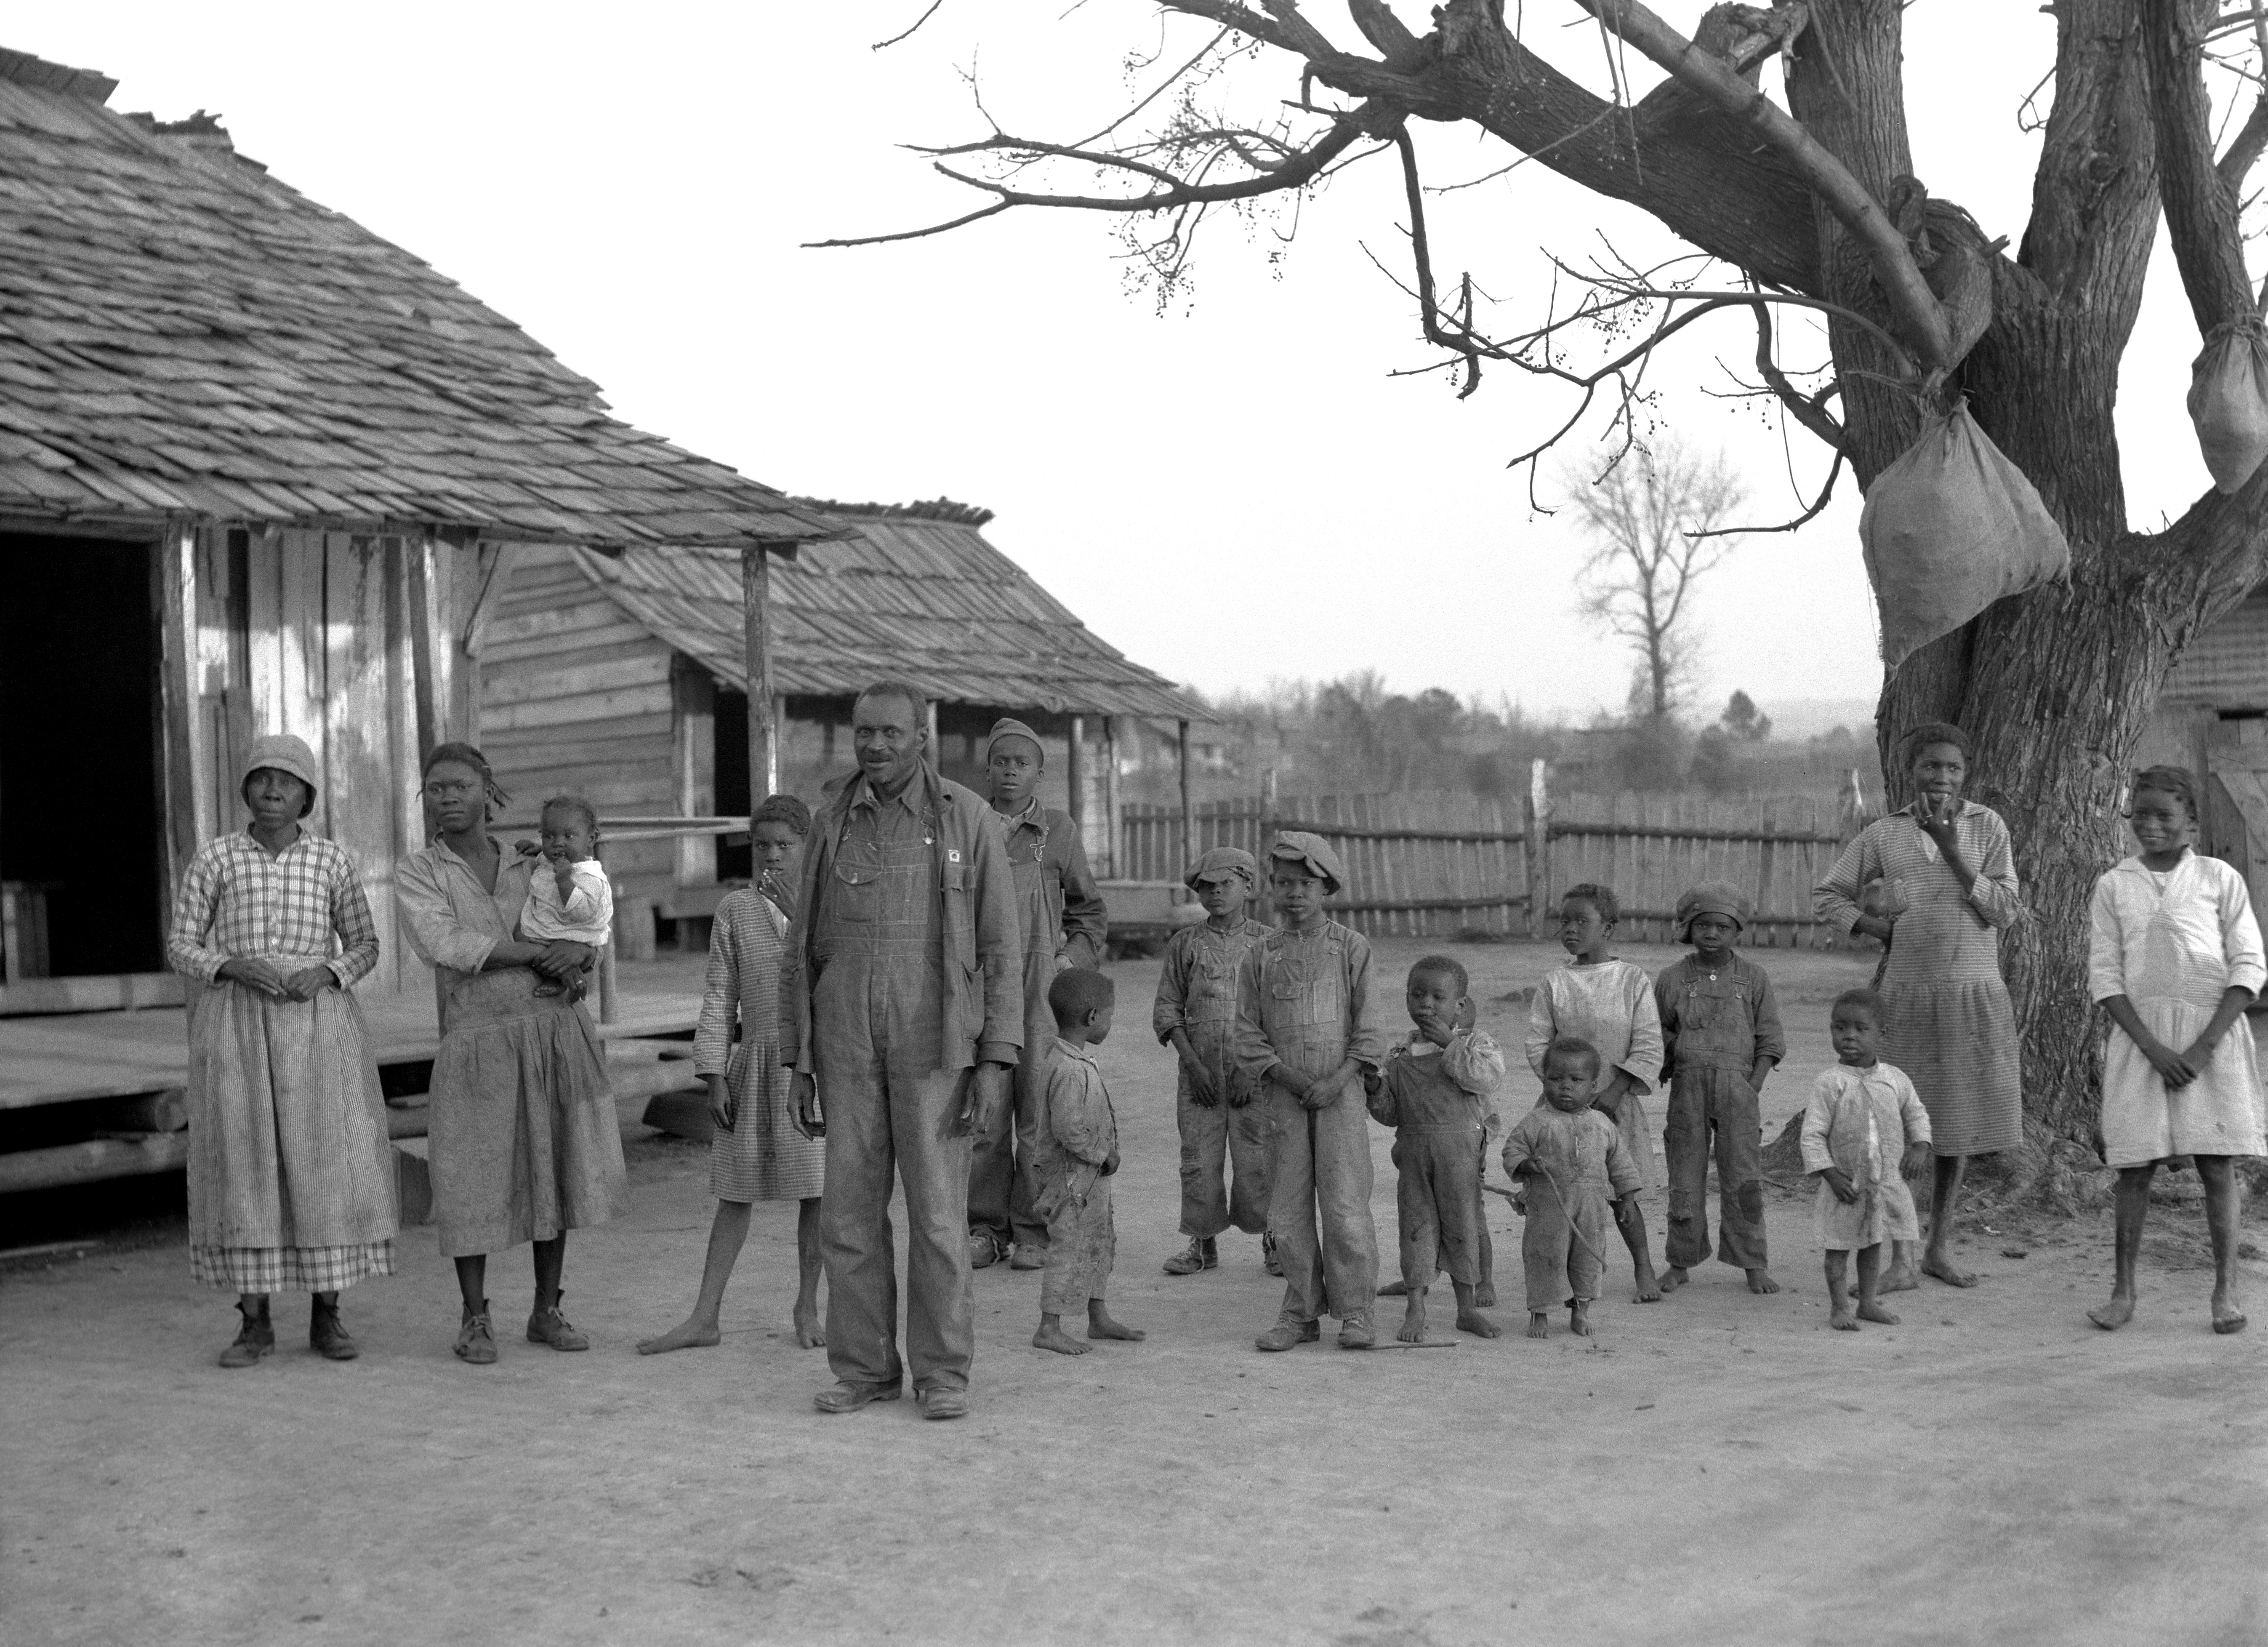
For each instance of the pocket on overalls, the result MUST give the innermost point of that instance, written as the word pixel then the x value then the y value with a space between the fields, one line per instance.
pixel 857 890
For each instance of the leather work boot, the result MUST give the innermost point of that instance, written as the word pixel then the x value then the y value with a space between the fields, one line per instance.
pixel 1202 1254
pixel 1029 1255
pixel 476 1342
pixel 547 1325
pixel 1356 1332
pixel 328 1336
pixel 848 1398
pixel 944 1400
pixel 1287 1333
pixel 983 1250
pixel 254 1339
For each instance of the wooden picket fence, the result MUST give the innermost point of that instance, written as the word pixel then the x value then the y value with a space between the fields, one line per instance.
pixel 1441 865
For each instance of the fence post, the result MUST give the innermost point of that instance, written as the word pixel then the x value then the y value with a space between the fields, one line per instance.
pixel 1536 841
pixel 1267 835
pixel 1189 806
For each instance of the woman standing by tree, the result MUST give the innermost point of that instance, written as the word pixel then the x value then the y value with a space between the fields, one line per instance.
pixel 1950 1025
pixel 291 1185
pixel 525 1146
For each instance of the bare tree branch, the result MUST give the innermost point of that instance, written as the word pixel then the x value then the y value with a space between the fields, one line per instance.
pixel 1818 503
pixel 1910 297
pixel 1810 411
pixel 2201 215
pixel 910 31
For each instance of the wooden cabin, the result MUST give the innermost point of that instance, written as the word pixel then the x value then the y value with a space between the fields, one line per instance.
pixel 259 472
pixel 622 677
pixel 2213 718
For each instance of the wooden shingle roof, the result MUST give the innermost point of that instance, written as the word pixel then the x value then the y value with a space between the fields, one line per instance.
pixel 181 335
pixel 915 592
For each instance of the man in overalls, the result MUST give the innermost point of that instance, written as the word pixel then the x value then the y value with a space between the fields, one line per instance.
pixel 1064 925
pixel 900 991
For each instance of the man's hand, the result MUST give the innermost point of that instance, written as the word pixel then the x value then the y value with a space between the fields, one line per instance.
pixel 721 1105
pixel 1837 1179
pixel 809 1120
pixel 1323 1092
pixel 1292 1081
pixel 256 971
pixel 981 1102
pixel 309 982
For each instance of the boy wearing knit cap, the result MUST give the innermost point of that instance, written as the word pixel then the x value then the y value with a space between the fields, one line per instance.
pixel 1721 1037
pixel 1305 1034
pixel 1064 926
pixel 1213 1106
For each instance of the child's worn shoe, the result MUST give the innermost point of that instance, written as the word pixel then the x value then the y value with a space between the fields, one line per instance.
pixel 254 1339
pixel 547 1325
pixel 1287 1333
pixel 1268 1261
pixel 1201 1255
pixel 327 1335
pixel 984 1249
pixel 1029 1255
pixel 1356 1332
pixel 475 1342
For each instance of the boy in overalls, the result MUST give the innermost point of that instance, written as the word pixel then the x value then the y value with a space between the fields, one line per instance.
pixel 1064 925
pixel 1305 1035
pixel 1213 1104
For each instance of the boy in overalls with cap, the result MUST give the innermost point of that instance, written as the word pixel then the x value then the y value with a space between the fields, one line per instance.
pixel 1214 1104
pixel 1305 1034
pixel 1064 926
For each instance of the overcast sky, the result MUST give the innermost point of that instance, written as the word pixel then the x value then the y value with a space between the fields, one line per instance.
pixel 1232 491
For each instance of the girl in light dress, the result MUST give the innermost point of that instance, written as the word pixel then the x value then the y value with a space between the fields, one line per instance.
pixel 2173 958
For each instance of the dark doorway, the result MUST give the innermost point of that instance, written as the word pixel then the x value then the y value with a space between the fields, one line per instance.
pixel 79 815
pixel 733 862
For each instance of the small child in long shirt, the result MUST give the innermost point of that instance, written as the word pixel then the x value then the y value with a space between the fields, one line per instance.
pixel 1721 1026
pixel 1609 1002
pixel 1213 1107
pixel 1434 1091
pixel 1077 1157
pixel 1865 1123
pixel 573 901
pixel 1572 1160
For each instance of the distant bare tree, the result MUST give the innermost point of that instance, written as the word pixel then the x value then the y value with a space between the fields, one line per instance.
pixel 1655 524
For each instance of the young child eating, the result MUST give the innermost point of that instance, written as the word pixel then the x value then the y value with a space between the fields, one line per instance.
pixel 1304 1034
pixel 1077 1155
pixel 1864 1124
pixel 573 901
pixel 2173 958
pixel 1433 1090
pixel 1195 1015
pixel 1570 1161
pixel 1721 1029
pixel 1609 1003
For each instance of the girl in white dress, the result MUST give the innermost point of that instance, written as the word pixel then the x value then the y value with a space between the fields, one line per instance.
pixel 2173 958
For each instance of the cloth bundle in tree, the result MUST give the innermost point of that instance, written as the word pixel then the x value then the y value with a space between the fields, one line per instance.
pixel 1951 527
pixel 2228 403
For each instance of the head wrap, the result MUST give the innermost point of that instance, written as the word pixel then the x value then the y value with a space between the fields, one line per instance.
pixel 1220 864
pixel 1009 726
pixel 1711 898
pixel 282 752
pixel 1297 845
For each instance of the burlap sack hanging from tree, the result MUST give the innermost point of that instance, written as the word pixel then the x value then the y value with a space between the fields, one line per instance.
pixel 1951 527
pixel 2228 403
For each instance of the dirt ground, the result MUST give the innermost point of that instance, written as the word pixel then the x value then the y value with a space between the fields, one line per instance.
pixel 1713 1468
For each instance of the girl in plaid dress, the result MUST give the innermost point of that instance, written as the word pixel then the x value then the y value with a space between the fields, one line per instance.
pixel 757 1154
pixel 291 1180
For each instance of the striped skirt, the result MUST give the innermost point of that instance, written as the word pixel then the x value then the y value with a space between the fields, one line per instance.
pixel 763 1159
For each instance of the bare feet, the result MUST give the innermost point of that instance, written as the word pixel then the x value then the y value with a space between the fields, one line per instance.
pixel 1875 1313
pixel 2114 1315
pixel 691 1334
pixel 1538 1325
pixel 1649 1289
pixel 1761 1280
pixel 1484 1294
pixel 1412 1329
pixel 1841 1317
pixel 1579 1318
pixel 1051 1336
pixel 1099 1325
pixel 1673 1277
pixel 1394 1289
pixel 1478 1324
pixel 2227 1318
pixel 808 1333
pixel 1941 1267
pixel 1900 1278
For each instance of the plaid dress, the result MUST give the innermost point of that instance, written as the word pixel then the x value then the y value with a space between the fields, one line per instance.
pixel 763 1159
pixel 290 1176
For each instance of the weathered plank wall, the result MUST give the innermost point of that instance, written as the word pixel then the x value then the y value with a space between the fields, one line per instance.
pixel 576 697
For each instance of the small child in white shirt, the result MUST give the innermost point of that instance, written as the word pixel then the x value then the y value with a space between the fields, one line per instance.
pixel 568 897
